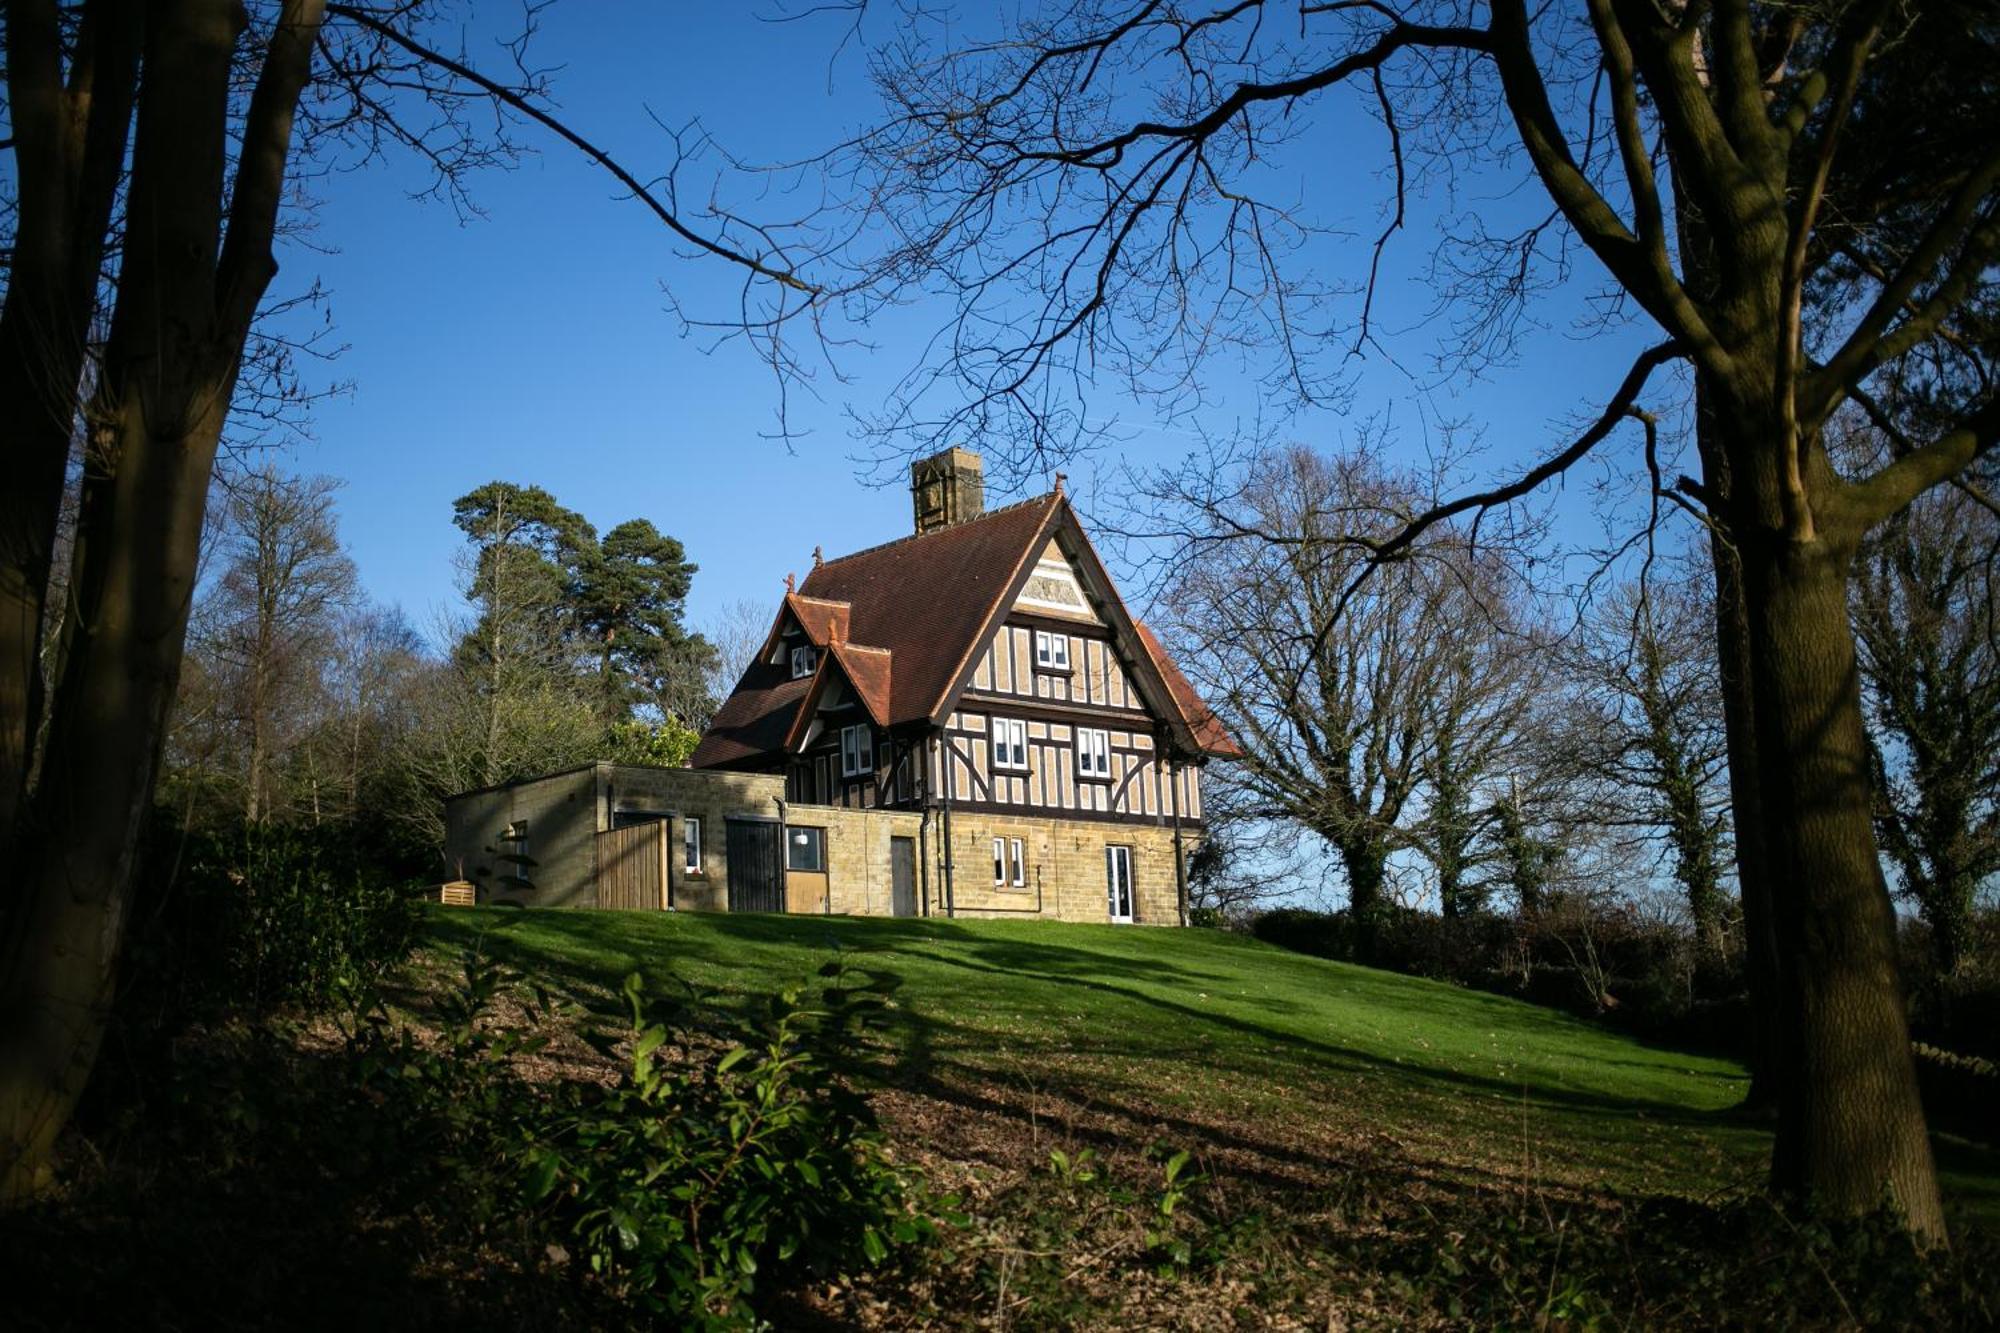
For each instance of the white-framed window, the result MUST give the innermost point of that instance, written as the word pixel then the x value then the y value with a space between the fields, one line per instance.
pixel 1010 742
pixel 691 845
pixel 1010 862
pixel 1093 752
pixel 1052 649
pixel 857 751
pixel 805 848
pixel 803 660
pixel 1118 883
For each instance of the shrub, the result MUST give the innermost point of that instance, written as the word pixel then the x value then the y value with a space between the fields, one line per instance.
pixel 733 1157
pixel 1589 958
pixel 1321 934
pixel 1961 1092
pixel 263 918
pixel 747 1156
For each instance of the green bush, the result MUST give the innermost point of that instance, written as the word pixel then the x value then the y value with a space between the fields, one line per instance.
pixel 734 1157
pixel 748 1155
pixel 262 918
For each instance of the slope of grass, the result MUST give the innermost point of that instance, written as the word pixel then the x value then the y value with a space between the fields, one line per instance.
pixel 1203 1038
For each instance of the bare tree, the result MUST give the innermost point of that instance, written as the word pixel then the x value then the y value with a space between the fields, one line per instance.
pixel 737 632
pixel 1347 722
pixel 1106 193
pixel 271 615
pixel 369 684
pixel 1927 611
pixel 155 144
pixel 1645 734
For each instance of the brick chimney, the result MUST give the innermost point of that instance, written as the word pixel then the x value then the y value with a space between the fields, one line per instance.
pixel 947 488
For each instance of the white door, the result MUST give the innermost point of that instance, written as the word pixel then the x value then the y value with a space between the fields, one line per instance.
pixel 1118 882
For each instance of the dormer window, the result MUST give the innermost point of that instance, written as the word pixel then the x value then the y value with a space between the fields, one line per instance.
pixel 803 660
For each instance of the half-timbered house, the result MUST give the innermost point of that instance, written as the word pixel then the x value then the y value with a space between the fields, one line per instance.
pixel 984 675
pixel 965 721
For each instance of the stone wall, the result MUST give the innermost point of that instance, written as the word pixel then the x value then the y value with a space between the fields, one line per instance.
pixel 1065 868
pixel 559 817
pixel 679 794
pixel 1063 859
pixel 858 877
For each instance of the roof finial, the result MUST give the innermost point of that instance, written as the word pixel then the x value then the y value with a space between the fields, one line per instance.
pixel 1059 483
pixel 791 585
pixel 818 559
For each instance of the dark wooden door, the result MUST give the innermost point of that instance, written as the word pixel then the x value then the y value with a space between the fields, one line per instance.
pixel 756 866
pixel 902 877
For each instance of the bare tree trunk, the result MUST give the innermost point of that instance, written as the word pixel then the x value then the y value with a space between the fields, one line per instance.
pixel 185 301
pixel 259 743
pixel 1851 1126
pixel 1761 962
pixel 1366 864
pixel 69 152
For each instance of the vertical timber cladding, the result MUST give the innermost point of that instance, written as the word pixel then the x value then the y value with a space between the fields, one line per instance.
pixel 632 866
pixel 756 865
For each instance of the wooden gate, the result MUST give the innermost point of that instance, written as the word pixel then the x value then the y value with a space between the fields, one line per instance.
pixel 632 866
pixel 756 866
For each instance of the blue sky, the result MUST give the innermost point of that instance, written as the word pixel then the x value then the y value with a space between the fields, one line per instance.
pixel 535 344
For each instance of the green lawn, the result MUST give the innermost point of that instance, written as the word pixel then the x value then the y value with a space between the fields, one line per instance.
pixel 1291 1065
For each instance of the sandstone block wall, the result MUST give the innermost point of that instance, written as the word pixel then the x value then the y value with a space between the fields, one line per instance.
pixel 1064 859
pixel 710 795
pixel 858 878
pixel 559 816
pixel 1065 864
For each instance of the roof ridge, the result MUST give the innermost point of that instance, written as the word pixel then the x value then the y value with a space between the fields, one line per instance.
pixel 955 527
pixel 823 601
pixel 845 646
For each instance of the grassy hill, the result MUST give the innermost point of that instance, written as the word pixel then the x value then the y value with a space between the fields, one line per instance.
pixel 1021 1036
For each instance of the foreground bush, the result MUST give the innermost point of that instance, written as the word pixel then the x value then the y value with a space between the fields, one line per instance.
pixel 262 918
pixel 734 1157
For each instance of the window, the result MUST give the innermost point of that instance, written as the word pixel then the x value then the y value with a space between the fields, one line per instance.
pixel 691 845
pixel 803 660
pixel 805 849
pixel 1010 864
pixel 1010 743
pixel 1052 650
pixel 857 751
pixel 1118 883
pixel 1093 753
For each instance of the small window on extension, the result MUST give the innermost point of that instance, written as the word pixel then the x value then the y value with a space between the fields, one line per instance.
pixel 805 848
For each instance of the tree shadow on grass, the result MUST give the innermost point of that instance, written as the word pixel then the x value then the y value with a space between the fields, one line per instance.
pixel 1099 975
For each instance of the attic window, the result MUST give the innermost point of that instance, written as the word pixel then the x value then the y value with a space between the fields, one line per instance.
pixel 803 659
pixel 1051 650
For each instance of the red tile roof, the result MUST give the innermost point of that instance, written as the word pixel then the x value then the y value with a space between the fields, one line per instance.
pixel 824 621
pixel 1208 730
pixel 925 603
pixel 928 597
